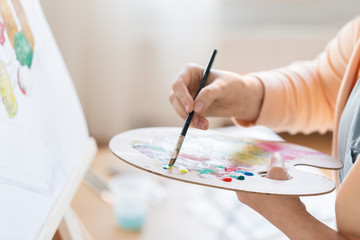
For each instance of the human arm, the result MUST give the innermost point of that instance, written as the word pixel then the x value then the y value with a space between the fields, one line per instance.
pixel 347 203
pixel 302 96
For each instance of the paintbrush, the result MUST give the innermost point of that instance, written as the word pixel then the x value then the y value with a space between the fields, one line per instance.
pixel 99 186
pixel 180 141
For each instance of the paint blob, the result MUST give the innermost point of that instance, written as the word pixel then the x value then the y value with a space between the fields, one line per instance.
pixel 183 170
pixel 247 173
pixel 240 178
pixel 227 179
pixel 23 50
pixel 167 166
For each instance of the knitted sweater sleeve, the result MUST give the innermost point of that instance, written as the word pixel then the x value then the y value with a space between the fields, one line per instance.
pixel 301 97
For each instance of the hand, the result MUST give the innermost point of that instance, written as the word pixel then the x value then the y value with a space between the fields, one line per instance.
pixel 277 209
pixel 226 94
pixel 287 213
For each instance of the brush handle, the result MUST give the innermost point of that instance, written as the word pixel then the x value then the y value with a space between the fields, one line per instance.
pixel 187 123
pixel 190 115
pixel 206 73
pixel 201 86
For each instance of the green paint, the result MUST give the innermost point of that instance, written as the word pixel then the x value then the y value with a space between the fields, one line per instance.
pixel 206 171
pixel 23 50
pixel 222 167
pixel 240 178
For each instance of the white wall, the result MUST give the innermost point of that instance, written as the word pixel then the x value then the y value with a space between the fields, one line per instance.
pixel 123 55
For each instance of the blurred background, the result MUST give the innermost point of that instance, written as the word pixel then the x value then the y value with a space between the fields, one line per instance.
pixel 123 55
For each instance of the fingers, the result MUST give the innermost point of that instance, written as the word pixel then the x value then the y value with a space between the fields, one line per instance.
pixel 183 90
pixel 178 107
pixel 197 121
pixel 276 168
pixel 200 122
pixel 181 94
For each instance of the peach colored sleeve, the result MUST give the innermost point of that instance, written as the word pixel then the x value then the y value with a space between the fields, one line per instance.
pixel 301 97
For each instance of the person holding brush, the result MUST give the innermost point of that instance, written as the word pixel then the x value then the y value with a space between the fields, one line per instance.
pixel 318 95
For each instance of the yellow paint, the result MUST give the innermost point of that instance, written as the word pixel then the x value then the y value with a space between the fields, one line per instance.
pixel 250 155
pixel 6 92
pixel 183 170
pixel 168 167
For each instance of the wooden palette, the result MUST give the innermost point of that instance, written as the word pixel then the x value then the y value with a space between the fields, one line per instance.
pixel 210 156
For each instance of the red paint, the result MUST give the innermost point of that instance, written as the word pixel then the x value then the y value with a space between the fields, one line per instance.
pixel 21 88
pixel 227 179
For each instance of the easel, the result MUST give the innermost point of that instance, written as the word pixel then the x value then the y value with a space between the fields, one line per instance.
pixel 30 57
pixel 71 228
pixel 62 222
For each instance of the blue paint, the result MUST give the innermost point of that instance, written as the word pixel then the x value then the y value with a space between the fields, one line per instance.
pixel 245 172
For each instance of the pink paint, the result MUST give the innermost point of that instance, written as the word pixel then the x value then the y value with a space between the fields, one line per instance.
pixel 192 157
pixel 244 169
pixel 269 147
pixel 285 152
pixel 2 34
pixel 230 169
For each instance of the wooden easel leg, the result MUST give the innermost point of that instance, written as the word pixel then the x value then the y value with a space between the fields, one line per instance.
pixel 71 228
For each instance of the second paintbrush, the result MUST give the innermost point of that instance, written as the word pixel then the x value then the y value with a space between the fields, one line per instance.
pixel 189 117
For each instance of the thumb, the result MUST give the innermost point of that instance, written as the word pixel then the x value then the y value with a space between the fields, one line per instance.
pixel 205 98
pixel 276 168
